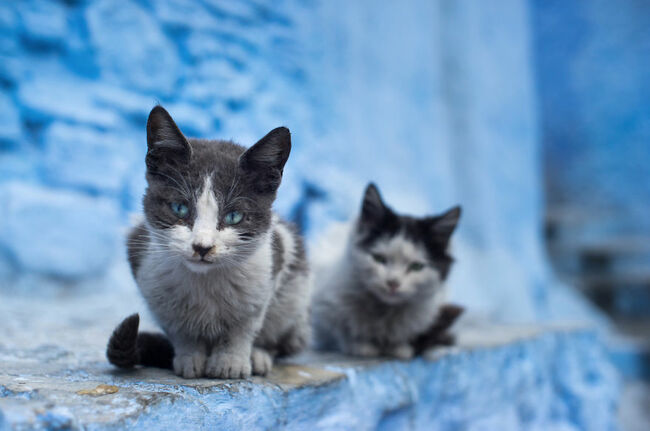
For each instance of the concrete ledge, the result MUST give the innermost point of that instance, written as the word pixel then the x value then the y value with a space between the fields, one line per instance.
pixel 497 378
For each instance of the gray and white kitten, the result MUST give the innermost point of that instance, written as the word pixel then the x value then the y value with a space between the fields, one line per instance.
pixel 224 277
pixel 387 288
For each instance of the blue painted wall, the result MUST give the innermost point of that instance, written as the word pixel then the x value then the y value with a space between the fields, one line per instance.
pixel 592 64
pixel 435 101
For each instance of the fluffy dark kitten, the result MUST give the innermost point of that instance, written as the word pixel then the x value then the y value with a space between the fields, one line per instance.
pixel 387 289
pixel 225 278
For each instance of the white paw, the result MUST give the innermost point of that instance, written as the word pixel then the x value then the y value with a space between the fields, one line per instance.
pixel 261 362
pixel 228 366
pixel 365 350
pixel 402 351
pixel 190 365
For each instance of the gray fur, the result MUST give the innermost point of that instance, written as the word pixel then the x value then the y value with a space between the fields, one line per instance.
pixel 136 242
pixel 254 290
pixel 355 310
pixel 278 251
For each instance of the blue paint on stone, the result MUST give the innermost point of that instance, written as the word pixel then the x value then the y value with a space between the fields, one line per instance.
pixel 553 380
pixel 361 108
pixel 57 232
pixel 85 158
pixel 453 119
pixel 593 62
pixel 10 126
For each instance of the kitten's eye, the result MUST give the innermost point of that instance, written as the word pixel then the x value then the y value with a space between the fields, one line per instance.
pixel 233 217
pixel 379 258
pixel 416 266
pixel 180 210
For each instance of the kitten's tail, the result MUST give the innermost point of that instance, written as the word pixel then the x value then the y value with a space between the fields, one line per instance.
pixel 438 333
pixel 128 348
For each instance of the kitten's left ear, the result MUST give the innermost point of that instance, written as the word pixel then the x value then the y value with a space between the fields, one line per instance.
pixel 264 162
pixel 165 142
pixel 444 225
pixel 373 208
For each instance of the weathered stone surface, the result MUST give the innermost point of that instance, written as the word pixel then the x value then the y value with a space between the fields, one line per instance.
pixel 503 377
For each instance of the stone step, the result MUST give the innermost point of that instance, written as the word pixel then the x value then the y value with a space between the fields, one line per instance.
pixel 498 377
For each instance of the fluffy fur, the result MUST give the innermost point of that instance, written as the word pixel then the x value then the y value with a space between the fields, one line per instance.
pixel 387 287
pixel 229 296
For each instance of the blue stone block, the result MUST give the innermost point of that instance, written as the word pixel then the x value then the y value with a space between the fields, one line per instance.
pixel 10 123
pixel 44 23
pixel 58 232
pixel 131 47
pixel 54 95
pixel 82 157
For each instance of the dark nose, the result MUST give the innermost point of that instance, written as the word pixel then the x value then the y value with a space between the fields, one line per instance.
pixel 393 285
pixel 201 250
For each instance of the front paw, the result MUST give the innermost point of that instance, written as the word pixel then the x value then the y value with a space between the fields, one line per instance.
pixel 365 350
pixel 189 365
pixel 228 366
pixel 401 351
pixel 261 362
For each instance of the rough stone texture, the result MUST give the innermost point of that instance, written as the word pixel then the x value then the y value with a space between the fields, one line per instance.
pixel 82 224
pixel 402 95
pixel 77 80
pixel 507 378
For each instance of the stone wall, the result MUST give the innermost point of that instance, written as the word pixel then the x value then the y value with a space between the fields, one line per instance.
pixel 434 101
pixel 77 80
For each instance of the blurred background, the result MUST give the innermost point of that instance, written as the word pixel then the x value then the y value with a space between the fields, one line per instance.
pixel 534 115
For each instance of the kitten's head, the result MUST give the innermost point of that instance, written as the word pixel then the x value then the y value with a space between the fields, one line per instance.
pixel 401 258
pixel 208 203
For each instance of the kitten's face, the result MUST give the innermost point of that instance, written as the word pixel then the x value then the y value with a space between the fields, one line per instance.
pixel 401 258
pixel 208 203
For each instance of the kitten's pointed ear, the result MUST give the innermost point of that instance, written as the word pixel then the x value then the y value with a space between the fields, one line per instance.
pixel 373 208
pixel 444 225
pixel 165 142
pixel 263 163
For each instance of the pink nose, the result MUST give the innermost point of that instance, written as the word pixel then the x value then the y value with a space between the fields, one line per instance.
pixel 393 285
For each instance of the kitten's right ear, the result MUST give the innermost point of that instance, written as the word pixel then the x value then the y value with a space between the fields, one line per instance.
pixel 444 225
pixel 373 208
pixel 264 162
pixel 165 142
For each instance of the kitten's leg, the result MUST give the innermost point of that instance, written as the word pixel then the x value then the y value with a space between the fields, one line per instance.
pixel 261 361
pixel 364 349
pixel 400 351
pixel 189 358
pixel 232 359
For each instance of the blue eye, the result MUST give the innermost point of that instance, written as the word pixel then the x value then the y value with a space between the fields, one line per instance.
pixel 416 266
pixel 180 210
pixel 233 217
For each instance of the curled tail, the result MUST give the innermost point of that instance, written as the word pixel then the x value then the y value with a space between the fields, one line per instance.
pixel 128 348
pixel 437 334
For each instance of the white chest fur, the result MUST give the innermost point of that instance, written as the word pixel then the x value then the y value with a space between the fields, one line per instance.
pixel 206 305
